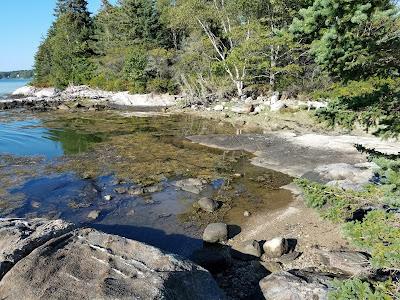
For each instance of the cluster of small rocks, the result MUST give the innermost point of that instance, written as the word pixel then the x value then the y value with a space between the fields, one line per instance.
pixel 266 260
pixel 274 102
pixel 76 98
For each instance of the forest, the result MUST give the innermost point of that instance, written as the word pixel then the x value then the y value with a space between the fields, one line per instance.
pixel 341 50
pixel 26 74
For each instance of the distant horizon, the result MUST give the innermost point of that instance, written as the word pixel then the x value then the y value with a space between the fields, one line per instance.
pixel 27 22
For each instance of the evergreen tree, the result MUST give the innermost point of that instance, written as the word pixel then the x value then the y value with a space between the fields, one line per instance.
pixel 140 23
pixel 352 39
pixel 63 57
pixel 107 31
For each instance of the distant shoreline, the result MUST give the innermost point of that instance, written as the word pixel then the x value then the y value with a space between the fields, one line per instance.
pixel 19 74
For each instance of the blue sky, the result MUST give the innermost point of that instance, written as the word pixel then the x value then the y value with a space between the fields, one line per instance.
pixel 23 23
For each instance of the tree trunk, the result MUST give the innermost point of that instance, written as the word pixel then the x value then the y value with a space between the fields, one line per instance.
pixel 272 78
pixel 239 87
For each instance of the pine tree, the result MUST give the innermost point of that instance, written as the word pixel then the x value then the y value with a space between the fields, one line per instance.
pixel 140 22
pixel 63 57
pixel 352 39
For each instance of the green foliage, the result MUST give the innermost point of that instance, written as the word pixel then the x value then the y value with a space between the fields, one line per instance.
pixel 334 203
pixel 357 289
pixel 340 43
pixel 135 69
pixel 389 173
pixel 64 56
pixel 379 234
pixel 373 103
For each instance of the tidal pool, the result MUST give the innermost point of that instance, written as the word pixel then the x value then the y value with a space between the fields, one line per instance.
pixel 83 167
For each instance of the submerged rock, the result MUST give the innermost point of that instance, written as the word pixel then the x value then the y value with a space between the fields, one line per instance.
pixel 93 215
pixel 121 190
pixel 215 232
pixel 87 264
pixel 154 188
pixel 286 286
pixel 208 204
pixel 191 185
pixel 18 237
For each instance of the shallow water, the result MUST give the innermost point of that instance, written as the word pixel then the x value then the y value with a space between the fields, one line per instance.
pixel 7 86
pixel 88 156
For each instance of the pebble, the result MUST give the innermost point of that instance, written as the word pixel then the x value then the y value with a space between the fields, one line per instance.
pixel 107 197
pixel 94 214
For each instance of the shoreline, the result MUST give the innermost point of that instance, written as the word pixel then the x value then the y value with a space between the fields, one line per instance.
pixel 289 146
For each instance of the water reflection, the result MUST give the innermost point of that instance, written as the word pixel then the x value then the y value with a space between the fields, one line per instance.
pixel 32 138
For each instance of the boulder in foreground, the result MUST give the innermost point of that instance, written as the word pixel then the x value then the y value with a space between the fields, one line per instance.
pixel 18 237
pixel 87 264
pixel 286 286
pixel 215 232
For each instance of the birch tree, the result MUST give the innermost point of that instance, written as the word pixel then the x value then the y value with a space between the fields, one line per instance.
pixel 228 31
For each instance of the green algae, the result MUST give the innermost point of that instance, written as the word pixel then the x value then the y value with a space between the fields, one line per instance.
pixel 143 150
pixel 14 171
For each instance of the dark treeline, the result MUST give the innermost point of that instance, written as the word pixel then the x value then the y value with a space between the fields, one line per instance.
pixel 25 74
pixel 337 49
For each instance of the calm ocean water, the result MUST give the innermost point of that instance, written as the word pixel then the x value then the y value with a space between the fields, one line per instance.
pixel 7 86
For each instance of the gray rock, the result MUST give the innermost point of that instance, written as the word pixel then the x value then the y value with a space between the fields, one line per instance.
pixel 154 188
pixel 277 106
pixel 18 237
pixel 87 264
pixel 136 191
pixel 276 247
pixel 93 215
pixel 286 258
pixel 345 175
pixel 62 107
pixel 215 232
pixel 285 286
pixel 274 98
pixel 347 262
pixel 243 109
pixel 218 107
pixel 121 190
pixel 191 185
pixel 107 198
pixel 273 266
pixel 208 204
pixel 249 250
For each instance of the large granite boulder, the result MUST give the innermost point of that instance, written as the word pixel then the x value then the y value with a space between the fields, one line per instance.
pixel 286 286
pixel 18 237
pixel 87 264
pixel 351 263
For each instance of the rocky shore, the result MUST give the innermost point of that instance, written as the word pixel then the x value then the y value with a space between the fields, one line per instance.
pixel 284 254
pixel 42 99
pixel 42 259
